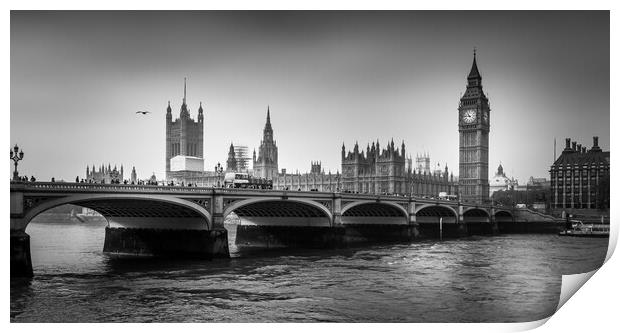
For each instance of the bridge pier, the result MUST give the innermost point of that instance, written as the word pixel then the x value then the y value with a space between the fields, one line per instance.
pixel 280 236
pixel 186 243
pixel 494 226
pixel 413 221
pixel 21 263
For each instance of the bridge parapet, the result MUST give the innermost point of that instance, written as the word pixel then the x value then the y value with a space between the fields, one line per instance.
pixel 90 187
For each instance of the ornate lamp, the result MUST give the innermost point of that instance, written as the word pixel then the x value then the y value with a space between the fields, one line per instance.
pixel 16 157
pixel 218 171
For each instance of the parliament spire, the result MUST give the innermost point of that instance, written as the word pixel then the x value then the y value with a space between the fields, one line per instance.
pixel 473 73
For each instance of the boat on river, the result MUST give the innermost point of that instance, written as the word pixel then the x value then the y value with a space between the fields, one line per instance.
pixel 580 229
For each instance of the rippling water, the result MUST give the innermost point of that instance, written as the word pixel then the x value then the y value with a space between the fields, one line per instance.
pixel 503 278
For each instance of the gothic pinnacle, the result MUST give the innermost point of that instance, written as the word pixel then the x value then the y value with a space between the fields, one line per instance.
pixel 184 90
pixel 473 74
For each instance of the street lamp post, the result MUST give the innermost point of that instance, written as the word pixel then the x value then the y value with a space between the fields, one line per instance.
pixel 16 158
pixel 218 171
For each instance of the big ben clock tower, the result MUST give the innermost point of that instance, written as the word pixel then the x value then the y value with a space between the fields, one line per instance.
pixel 474 125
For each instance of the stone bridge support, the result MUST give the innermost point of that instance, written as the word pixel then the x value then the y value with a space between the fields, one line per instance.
pixel 494 226
pixel 337 211
pixel 413 223
pixel 217 207
pixel 21 262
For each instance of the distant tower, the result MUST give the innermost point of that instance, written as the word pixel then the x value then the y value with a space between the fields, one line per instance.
pixel 423 163
pixel 134 175
pixel 231 162
pixel 474 127
pixel 266 164
pixel 184 136
pixel 437 172
pixel 315 167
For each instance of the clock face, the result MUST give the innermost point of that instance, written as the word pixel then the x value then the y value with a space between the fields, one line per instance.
pixel 469 116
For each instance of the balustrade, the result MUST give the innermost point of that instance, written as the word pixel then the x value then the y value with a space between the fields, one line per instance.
pixel 128 188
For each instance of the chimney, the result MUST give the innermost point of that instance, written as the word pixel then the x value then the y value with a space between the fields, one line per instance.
pixel 583 150
pixel 579 147
pixel 574 145
pixel 567 143
pixel 595 141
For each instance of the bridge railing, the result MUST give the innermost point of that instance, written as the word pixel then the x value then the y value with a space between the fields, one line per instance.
pixel 90 187
pixel 61 186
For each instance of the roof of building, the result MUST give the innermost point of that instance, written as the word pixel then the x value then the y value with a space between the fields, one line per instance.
pixel 593 156
pixel 473 73
pixel 500 170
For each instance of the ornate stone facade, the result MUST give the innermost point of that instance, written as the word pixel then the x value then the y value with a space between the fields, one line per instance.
pixel 184 136
pixel 423 163
pixel 105 174
pixel 379 171
pixel 474 125
pixel 231 162
pixel 580 177
pixel 266 164
pixel 430 185
pixel 375 170
pixel 321 181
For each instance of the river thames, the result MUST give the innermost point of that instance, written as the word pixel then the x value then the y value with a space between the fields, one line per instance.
pixel 505 278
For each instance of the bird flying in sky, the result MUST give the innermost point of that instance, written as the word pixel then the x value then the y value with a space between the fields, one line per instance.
pixel 143 112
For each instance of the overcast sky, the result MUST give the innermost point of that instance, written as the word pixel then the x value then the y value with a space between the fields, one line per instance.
pixel 77 79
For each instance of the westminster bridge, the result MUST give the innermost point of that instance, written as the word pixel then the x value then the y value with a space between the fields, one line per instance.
pixel 189 221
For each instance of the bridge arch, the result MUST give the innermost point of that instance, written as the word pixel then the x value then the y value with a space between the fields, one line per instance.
pixel 504 216
pixel 433 212
pixel 124 207
pixel 475 211
pixel 476 214
pixel 374 212
pixel 277 211
pixel 441 210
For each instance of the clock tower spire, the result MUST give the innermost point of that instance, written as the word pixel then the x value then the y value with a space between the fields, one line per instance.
pixel 474 127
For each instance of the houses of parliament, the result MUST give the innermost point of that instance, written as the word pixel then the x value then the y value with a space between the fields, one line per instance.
pixel 376 169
